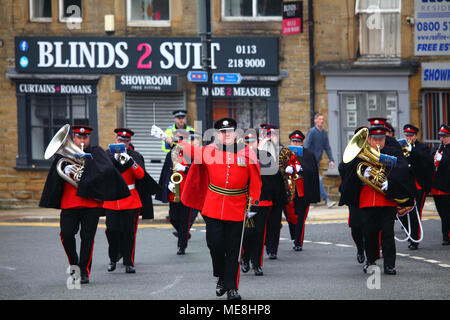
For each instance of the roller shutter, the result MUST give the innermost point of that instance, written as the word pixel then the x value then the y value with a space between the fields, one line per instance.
pixel 138 116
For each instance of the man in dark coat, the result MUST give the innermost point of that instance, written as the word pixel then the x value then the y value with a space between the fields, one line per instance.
pixel 421 162
pixel 180 216
pixel 308 175
pixel 379 208
pixel 272 191
pixel 82 205
pixel 440 188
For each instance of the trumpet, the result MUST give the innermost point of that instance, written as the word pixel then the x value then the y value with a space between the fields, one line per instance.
pixel 63 145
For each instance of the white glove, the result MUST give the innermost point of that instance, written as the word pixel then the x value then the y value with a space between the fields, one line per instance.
pixel 384 186
pixel 67 169
pixel 438 156
pixel 126 157
pixel 367 172
pixel 409 147
pixel 171 186
pixel 180 167
pixel 298 168
pixel 289 170
pixel 251 214
pixel 158 133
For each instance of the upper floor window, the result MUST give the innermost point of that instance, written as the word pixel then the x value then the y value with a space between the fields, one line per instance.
pixel 252 10
pixel 41 10
pixel 379 27
pixel 70 11
pixel 148 13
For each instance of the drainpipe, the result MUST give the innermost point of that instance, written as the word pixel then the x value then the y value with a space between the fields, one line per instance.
pixel 312 87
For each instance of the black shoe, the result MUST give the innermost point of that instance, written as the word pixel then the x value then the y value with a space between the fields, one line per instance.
pixel 360 257
pixel 258 271
pixel 232 294
pixel 297 248
pixel 220 289
pixel 130 269
pixel 413 246
pixel 245 267
pixel 272 256
pixel 389 270
pixel 446 242
pixel 111 266
pixel 84 279
pixel 180 250
pixel 367 265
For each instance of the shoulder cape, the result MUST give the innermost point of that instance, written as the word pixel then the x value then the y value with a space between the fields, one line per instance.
pixel 100 180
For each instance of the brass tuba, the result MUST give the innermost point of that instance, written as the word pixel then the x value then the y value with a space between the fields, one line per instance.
pixel 358 147
pixel 176 177
pixel 289 180
pixel 63 145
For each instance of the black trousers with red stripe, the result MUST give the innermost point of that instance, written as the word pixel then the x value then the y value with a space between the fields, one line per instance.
pixel 273 229
pixel 121 227
pixel 443 208
pixel 223 239
pixel 182 218
pixel 375 219
pixel 254 238
pixel 415 226
pixel 84 220
pixel 301 207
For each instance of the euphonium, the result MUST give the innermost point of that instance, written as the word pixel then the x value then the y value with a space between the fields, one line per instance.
pixel 358 147
pixel 289 180
pixel 176 177
pixel 63 145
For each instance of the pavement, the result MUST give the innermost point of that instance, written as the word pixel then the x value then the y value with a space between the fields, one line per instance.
pixel 317 213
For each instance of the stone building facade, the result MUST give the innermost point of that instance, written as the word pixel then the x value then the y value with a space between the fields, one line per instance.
pixel 347 74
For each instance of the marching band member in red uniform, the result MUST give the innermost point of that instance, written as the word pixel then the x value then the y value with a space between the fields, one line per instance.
pixel 441 182
pixel 378 210
pixel 122 215
pixel 82 206
pixel 308 174
pixel 223 175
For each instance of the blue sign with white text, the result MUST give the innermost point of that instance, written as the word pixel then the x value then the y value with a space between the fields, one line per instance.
pixel 227 78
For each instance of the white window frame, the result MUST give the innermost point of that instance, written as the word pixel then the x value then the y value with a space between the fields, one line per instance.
pixel 147 23
pixel 36 19
pixel 369 10
pixel 254 17
pixel 68 19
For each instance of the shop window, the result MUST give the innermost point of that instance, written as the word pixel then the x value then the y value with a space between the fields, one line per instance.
pixel 436 111
pixel 248 113
pixel 148 13
pixel 251 10
pixel 70 10
pixel 379 28
pixel 41 10
pixel 357 107
pixel 46 114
